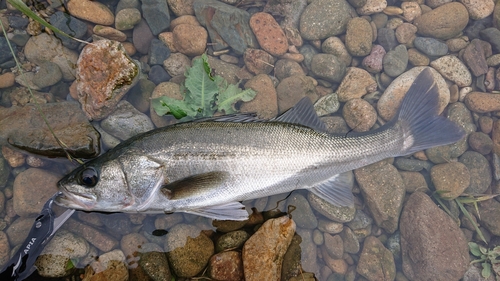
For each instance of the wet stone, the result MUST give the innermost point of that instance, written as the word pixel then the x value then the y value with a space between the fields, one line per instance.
pixel 231 240
pixel 376 262
pixel 359 115
pixel 156 14
pixel 190 40
pixel 263 253
pixel 328 67
pixel 358 40
pixel 333 45
pixel 387 38
pixel 412 165
pixel 158 52
pixel 27 202
pixel 292 89
pixel 480 142
pixel 480 172
pixel 425 231
pixel 414 181
pixel 155 265
pixel 482 102
pixel 322 19
pixel 356 83
pixel 69 25
pixel 334 246
pixel 142 37
pixel 48 75
pixel 19 229
pixel 383 189
pixel 450 179
pixel 452 68
pixel 373 62
pixel 94 236
pixel 227 25
pixel 258 61
pixel 327 105
pixel 292 259
pixel 303 215
pixel 92 11
pixel 265 103
pixel 126 122
pixel 430 46
pixel 490 216
pixel 335 213
pixel 475 59
pixel 492 35
pixel 4 248
pixel 127 18
pixel 183 240
pixel 226 266
pixel 269 34
pixel 157 74
pixel 286 68
pixel 396 61
pixel 227 225
pixel 449 26
pixel 330 226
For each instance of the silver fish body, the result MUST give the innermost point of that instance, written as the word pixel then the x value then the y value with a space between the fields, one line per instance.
pixel 207 167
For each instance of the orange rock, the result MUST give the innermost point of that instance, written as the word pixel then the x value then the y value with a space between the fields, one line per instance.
pixel 269 34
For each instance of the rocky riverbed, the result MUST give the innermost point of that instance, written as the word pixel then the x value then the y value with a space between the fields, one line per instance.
pixel 355 59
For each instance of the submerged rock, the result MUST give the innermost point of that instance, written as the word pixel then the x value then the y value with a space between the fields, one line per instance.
pixel 263 253
pixel 433 246
pixel 24 128
pixel 376 262
pixel 105 73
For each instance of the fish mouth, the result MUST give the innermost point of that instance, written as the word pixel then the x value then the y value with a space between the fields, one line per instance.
pixel 75 201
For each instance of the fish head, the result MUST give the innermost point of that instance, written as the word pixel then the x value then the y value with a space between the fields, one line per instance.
pixel 127 183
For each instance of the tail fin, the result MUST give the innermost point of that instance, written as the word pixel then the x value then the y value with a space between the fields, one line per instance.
pixel 418 114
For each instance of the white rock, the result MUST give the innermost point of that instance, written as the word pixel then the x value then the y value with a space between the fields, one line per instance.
pixel 372 7
pixel 478 9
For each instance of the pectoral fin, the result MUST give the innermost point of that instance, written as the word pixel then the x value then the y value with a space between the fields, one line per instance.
pixel 196 185
pixel 234 211
pixel 337 190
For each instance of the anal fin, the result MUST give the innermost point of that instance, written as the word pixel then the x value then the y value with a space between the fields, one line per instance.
pixel 337 190
pixel 234 211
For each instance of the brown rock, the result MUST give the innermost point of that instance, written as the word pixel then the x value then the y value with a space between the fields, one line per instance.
pixel 450 178
pixel 181 7
pixel 336 265
pixel 416 58
pixel 4 248
pixel 98 238
pixel 24 128
pixel 189 39
pixel 358 38
pixel 264 251
pixel 475 59
pixel 185 19
pixel 92 11
pixel 105 74
pixel 405 33
pixel 226 266
pixel 439 24
pixel 376 262
pixel 482 102
pixel 359 115
pixel 334 245
pixel 432 245
pixel 269 34
pixel 258 61
pixel 265 103
pixel 26 201
pixel 14 157
pixel 7 80
pixel 357 82
pixel 292 89
pixel 109 33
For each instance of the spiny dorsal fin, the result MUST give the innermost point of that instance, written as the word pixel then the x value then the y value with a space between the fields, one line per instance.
pixel 303 114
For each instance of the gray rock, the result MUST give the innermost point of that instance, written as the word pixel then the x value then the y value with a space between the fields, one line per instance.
pixel 4 173
pixel 230 240
pixel 127 18
pixel 383 190
pixel 158 52
pixel 334 245
pixel 396 61
pixel 490 216
pixel 386 38
pixel 19 37
pixel 292 259
pixel 124 4
pixel 480 172
pixel 5 53
pixel 181 242
pixel 309 251
pixel 376 262
pixel 492 35
pixel 126 122
pixel 285 68
pixel 4 248
pixel 361 221
pixel 330 226
pixel 327 105
pixel 156 14
pixel 54 258
pixel 308 52
pixel 335 213
pixel 430 46
pixel 142 37
pixel 303 214
pixel 393 244
pixel 48 74
pixel 481 142
pixel 69 25
pixel 351 242
pixel 412 165
pixel 155 265
pixel 328 67
pixel 158 74
pixel 140 95
pixel 324 18
pixel 108 140
pixel 226 25
pixel 430 240
pixel 117 224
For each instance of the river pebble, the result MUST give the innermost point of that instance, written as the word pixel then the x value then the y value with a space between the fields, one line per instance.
pixel 127 18
pixel 452 68
pixel 450 179
pixel 264 251
pixel 386 38
pixel 226 266
pixel 395 61
pixel 358 40
pixel 474 58
pixel 480 172
pixel 269 34
pixel 425 231
pixel 26 201
pixel 92 11
pixel 328 67
pixel 449 27
pixel 70 25
pixel 376 262
pixel 323 18
pixel 430 46
pixel 303 215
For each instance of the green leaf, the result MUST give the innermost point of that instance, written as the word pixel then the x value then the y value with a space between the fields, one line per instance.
pixel 469 217
pixel 231 95
pixel 201 90
pixel 177 108
pixel 474 249
pixel 486 272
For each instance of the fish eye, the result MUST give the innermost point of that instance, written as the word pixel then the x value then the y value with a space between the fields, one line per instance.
pixel 88 177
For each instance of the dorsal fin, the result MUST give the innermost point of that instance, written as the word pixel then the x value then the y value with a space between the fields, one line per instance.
pixel 303 113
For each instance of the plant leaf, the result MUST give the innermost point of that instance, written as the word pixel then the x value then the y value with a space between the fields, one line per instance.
pixel 469 217
pixel 474 249
pixel 231 95
pixel 486 272
pixel 177 108
pixel 201 90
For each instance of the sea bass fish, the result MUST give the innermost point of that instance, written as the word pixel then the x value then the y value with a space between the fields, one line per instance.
pixel 207 167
